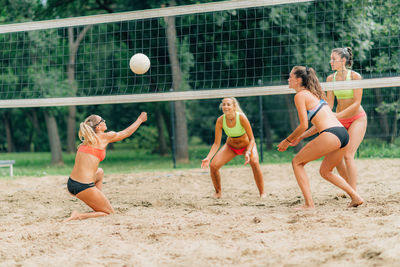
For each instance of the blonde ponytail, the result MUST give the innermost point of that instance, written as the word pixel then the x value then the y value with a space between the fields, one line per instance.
pixel 86 132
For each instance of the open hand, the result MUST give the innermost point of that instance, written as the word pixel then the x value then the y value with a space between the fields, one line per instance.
pixel 247 158
pixel 205 163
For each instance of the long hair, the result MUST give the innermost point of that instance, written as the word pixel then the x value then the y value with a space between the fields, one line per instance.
pixel 235 104
pixel 87 131
pixel 309 80
pixel 346 53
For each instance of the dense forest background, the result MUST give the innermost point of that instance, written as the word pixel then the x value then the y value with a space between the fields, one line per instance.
pixel 371 28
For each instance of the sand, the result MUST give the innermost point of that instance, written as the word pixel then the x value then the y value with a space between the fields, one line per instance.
pixel 170 219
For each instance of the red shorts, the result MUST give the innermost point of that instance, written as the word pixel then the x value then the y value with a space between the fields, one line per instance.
pixel 239 151
pixel 348 121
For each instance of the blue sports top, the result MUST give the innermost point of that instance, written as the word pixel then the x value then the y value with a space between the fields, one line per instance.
pixel 312 112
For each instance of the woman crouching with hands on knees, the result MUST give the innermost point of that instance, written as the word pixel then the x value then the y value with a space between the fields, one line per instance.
pixel 331 142
pixel 240 141
pixel 86 178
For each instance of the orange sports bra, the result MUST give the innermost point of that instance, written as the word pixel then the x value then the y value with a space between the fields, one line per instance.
pixel 99 153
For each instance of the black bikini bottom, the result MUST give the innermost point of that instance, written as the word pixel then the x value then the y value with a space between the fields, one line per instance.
pixel 75 187
pixel 341 133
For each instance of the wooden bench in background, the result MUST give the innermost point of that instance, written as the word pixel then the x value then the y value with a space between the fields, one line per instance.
pixel 8 163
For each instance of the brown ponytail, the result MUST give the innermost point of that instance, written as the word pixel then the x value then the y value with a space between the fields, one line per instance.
pixel 346 53
pixel 309 80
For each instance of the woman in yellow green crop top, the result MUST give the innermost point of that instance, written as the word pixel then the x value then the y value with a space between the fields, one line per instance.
pixel 348 111
pixel 240 141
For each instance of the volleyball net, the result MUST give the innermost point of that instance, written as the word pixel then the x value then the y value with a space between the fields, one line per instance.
pixel 228 48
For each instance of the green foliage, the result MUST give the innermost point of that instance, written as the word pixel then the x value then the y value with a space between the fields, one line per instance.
pixel 51 82
pixel 126 158
pixel 210 45
pixel 386 108
pixel 144 139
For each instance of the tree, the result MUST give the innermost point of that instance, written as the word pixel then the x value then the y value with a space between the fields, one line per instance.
pixel 74 43
pixel 182 151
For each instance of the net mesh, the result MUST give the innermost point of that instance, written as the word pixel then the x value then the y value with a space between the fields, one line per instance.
pixel 235 48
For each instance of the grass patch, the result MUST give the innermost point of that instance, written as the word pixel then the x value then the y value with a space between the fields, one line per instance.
pixel 124 159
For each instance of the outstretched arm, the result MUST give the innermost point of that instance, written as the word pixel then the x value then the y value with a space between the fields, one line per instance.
pixel 118 136
pixel 217 142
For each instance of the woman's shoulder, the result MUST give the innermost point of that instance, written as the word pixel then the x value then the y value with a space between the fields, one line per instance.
pixel 220 119
pixel 242 117
pixel 355 75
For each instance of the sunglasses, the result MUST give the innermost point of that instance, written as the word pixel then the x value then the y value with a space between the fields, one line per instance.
pixel 102 120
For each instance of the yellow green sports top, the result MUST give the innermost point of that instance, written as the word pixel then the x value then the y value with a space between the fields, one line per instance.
pixel 343 94
pixel 235 131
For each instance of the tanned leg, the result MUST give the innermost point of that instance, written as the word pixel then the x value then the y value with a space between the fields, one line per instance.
pixel 223 156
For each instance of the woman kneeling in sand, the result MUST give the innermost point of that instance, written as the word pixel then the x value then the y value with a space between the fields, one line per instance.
pixel 86 179
pixel 331 142
pixel 240 141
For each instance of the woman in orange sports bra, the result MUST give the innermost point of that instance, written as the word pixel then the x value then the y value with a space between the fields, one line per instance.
pixel 86 178
pixel 240 141
pixel 348 111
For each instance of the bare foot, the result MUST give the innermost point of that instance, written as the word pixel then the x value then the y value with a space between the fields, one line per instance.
pixel 74 216
pixel 263 195
pixel 305 207
pixel 217 195
pixel 355 202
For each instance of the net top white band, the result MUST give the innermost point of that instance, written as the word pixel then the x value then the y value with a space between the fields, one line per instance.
pixel 190 95
pixel 143 14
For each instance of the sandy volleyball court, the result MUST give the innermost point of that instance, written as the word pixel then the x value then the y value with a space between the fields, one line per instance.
pixel 169 219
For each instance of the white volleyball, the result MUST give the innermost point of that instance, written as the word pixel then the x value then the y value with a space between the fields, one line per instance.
pixel 139 63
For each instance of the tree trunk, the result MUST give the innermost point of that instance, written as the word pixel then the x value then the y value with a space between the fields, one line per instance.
pixel 292 117
pixel 162 149
pixel 71 129
pixel 73 49
pixel 9 132
pixel 54 139
pixel 182 154
pixel 383 120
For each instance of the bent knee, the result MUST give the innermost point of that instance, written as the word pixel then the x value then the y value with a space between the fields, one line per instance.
pixel 107 211
pixel 349 157
pixel 297 162
pixel 100 171
pixel 254 162
pixel 324 172
pixel 214 167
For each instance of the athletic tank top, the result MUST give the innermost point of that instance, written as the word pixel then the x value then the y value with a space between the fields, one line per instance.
pixel 99 153
pixel 236 131
pixel 343 94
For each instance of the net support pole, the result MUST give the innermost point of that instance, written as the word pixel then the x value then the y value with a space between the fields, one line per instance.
pixel 173 146
pixel 260 107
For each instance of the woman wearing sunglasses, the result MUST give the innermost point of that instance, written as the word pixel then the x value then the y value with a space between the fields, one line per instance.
pixel 86 178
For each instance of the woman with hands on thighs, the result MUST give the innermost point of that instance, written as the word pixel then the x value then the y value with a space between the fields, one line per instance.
pixel 331 142
pixel 86 179
pixel 240 141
